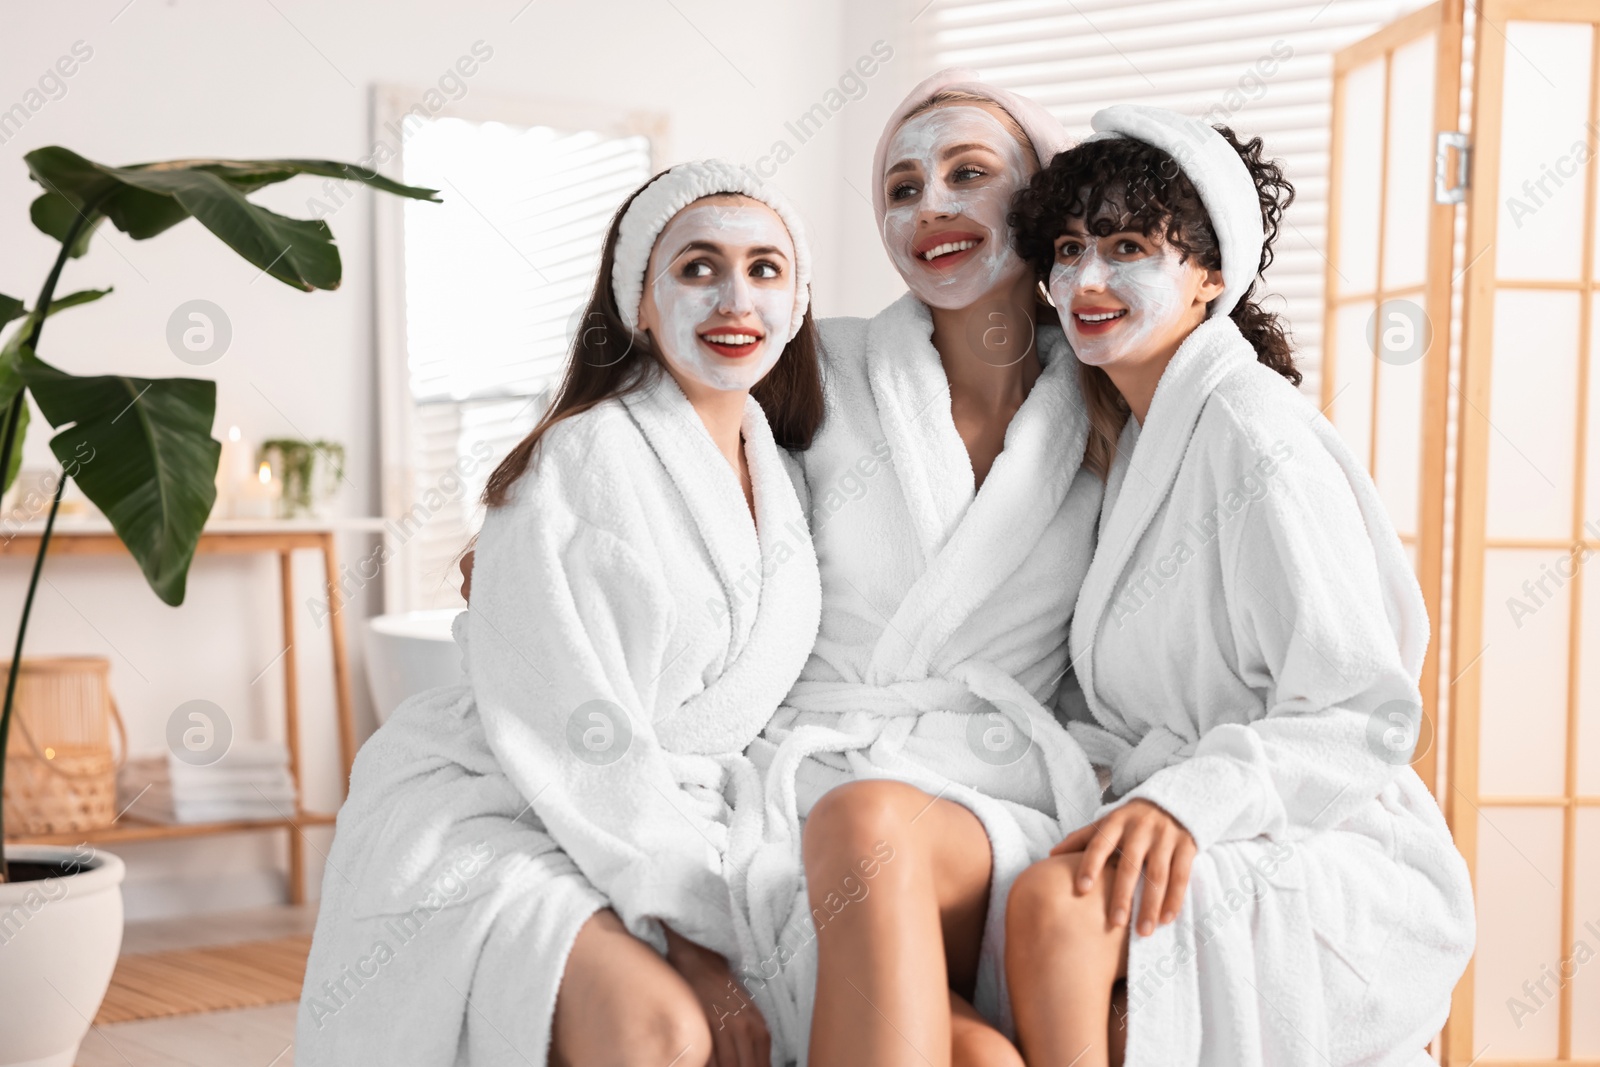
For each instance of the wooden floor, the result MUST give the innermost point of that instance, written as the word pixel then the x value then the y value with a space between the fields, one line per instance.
pixel 248 1037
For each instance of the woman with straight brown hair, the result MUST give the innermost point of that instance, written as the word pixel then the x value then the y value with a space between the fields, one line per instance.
pixel 537 865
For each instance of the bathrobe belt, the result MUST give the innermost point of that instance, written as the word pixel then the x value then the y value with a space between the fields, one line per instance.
pixel 702 779
pixel 1131 764
pixel 892 700
pixel 880 717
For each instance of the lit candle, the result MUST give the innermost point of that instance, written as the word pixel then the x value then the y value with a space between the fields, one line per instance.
pixel 234 471
pixel 258 496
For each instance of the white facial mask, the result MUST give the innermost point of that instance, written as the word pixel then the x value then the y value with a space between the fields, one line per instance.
pixel 979 207
pixel 1150 287
pixel 690 306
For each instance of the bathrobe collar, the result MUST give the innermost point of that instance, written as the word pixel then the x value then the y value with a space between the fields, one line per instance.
pixel 1142 477
pixel 970 542
pixel 769 578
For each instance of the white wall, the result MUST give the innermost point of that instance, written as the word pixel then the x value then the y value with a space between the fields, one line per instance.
pixel 291 78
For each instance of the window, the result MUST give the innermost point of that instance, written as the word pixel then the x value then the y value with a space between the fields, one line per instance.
pixel 476 322
pixel 1263 69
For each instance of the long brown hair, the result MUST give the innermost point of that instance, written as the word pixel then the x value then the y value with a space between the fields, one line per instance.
pixel 1123 184
pixel 609 360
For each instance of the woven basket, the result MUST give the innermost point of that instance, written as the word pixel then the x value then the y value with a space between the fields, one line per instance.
pixel 61 773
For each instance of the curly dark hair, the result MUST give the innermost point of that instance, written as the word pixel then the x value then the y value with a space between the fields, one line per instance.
pixel 1120 184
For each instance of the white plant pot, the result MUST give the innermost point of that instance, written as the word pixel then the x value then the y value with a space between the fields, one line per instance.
pixel 59 939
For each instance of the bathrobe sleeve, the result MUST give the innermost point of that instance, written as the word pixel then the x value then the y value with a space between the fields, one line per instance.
pixel 796 471
pixel 1309 607
pixel 572 625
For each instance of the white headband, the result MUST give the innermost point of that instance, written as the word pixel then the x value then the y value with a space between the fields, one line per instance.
pixel 1219 176
pixel 669 194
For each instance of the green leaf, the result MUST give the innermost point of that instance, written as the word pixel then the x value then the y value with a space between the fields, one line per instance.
pixel 252 174
pixel 16 452
pixel 10 366
pixel 10 352
pixel 72 300
pixel 54 214
pixel 299 252
pixel 10 308
pixel 142 450
pixel 148 198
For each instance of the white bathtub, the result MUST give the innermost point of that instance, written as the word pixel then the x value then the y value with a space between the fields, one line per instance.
pixel 409 653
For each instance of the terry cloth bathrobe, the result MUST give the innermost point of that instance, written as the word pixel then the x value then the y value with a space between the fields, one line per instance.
pixel 944 629
pixel 630 634
pixel 1249 640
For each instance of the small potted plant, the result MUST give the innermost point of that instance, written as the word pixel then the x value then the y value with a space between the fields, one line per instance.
pixel 154 478
pixel 309 472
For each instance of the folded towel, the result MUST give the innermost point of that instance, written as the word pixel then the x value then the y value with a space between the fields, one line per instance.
pixel 206 777
pixel 234 792
pixel 223 811
pixel 241 757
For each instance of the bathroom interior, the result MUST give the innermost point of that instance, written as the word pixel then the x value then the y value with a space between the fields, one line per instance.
pixel 1439 269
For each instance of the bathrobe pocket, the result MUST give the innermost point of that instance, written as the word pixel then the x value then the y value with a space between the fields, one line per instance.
pixel 1352 924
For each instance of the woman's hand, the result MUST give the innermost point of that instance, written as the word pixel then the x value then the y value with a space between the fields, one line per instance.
pixel 1141 839
pixel 739 1035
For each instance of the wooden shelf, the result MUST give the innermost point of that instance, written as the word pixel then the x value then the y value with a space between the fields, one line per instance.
pixel 130 828
pixel 90 537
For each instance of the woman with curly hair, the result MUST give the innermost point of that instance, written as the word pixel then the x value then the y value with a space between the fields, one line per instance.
pixel 1272 881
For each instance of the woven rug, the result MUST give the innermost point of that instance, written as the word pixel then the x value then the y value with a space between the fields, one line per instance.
pixel 244 975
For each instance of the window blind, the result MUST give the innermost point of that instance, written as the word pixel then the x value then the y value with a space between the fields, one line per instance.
pixel 494 273
pixel 496 277
pixel 1262 68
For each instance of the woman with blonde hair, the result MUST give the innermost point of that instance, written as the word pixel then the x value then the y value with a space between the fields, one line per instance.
pixel 953 525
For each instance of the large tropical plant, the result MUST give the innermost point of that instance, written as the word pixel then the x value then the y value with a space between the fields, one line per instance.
pixel 141 448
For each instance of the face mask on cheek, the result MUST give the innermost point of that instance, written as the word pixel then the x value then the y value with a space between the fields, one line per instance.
pixel 1151 288
pixel 980 209
pixel 687 307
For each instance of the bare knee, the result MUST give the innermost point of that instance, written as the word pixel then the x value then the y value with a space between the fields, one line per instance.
pixel 972 1047
pixel 621 1005
pixel 1045 909
pixel 974 1043
pixel 665 1025
pixel 861 822
pixel 674 1030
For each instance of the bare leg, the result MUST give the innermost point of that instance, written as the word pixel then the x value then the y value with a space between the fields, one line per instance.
pixel 886 962
pixel 622 1005
pixel 974 1043
pixel 1062 958
pixel 1117 1037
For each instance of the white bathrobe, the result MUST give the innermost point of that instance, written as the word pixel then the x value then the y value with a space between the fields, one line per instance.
pixel 629 635
pixel 944 628
pixel 1249 639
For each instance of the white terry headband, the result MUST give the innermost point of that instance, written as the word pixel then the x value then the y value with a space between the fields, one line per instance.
pixel 669 194
pixel 1219 176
